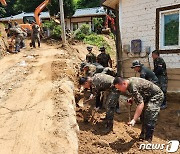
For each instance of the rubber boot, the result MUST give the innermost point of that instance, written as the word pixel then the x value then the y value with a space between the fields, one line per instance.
pixel 142 135
pixel 149 133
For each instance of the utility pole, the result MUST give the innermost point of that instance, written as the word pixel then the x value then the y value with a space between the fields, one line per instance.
pixel 118 45
pixel 62 21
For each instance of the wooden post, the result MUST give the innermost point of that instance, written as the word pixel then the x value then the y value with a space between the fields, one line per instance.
pixel 62 21
pixel 118 44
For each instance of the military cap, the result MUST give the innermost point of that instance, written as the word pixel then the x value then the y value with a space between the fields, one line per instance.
pixel 89 48
pixel 136 63
pixel 102 49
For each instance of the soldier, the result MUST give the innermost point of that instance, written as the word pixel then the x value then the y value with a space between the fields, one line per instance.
pixel 148 98
pixel 161 73
pixel 104 59
pixel 90 57
pixel 17 35
pixel 92 69
pixel 145 73
pixel 23 32
pixel 35 34
pixel 102 82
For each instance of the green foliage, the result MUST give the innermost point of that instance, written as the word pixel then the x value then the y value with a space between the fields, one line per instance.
pixel 2 12
pixel 69 7
pixel 17 6
pixel 88 3
pixel 54 28
pixel 172 33
pixel 98 24
pixel 97 40
pixel 82 32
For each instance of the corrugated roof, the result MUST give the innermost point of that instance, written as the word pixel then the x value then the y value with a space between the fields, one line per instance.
pixel 23 14
pixel 97 11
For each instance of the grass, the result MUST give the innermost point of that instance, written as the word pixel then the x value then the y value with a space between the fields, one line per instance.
pixel 97 40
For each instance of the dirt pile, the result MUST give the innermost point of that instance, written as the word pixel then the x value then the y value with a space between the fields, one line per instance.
pixel 3 41
pixel 37 104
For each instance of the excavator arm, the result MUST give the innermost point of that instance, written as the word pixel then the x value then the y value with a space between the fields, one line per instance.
pixel 39 9
pixel 3 2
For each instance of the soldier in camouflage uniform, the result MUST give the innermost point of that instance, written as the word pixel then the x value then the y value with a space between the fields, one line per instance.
pixel 104 59
pixel 148 98
pixel 92 69
pixel 102 82
pixel 161 73
pixel 90 57
pixel 23 34
pixel 35 34
pixel 16 34
pixel 145 73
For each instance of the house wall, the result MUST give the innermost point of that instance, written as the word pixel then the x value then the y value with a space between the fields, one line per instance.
pixel 138 21
pixel 79 21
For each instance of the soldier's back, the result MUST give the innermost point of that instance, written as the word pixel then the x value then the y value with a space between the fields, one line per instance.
pixel 144 87
pixel 102 81
pixel 147 74
pixel 103 59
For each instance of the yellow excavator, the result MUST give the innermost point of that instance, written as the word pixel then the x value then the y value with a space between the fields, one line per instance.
pixel 28 19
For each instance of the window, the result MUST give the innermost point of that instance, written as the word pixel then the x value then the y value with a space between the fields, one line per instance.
pixel 169 29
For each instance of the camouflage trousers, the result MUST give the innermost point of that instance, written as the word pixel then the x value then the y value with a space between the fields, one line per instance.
pixel 163 81
pixel 34 38
pixel 111 104
pixel 151 110
pixel 18 40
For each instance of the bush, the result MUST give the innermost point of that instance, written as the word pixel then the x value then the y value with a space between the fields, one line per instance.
pixel 82 32
pixel 98 25
pixel 98 41
pixel 55 29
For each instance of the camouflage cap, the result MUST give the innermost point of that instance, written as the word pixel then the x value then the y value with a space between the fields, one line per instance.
pixel 136 63
pixel 89 48
pixel 102 49
pixel 82 65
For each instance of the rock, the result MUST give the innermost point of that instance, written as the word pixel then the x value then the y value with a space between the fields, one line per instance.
pixel 101 143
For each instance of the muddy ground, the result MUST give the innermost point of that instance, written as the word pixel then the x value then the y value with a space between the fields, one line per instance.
pixel 37 106
pixel 124 139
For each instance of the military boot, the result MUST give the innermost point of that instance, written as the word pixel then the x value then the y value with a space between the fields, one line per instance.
pixel 149 133
pixel 108 126
pixel 142 135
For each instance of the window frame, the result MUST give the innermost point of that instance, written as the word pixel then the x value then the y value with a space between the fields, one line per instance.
pixel 160 27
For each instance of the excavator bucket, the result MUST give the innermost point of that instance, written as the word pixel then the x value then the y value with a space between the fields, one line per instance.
pixel 3 2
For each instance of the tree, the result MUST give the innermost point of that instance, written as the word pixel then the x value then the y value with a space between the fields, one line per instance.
pixel 18 6
pixel 88 3
pixel 69 7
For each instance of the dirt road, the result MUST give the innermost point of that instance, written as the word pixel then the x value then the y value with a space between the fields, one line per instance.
pixel 35 116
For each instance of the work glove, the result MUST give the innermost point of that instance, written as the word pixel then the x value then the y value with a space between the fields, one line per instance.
pixel 96 109
pixel 132 122
pixel 91 97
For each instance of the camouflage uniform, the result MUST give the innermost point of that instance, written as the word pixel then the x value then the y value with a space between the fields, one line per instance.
pixel 91 58
pixel 35 35
pixel 104 59
pixel 96 68
pixel 161 73
pixel 17 32
pixel 102 82
pixel 145 91
pixel 147 74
